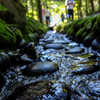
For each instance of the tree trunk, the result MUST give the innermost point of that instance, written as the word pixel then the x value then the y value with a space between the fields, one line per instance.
pixel 39 10
pixel 80 6
pixel 32 7
pixel 86 7
pixel 92 4
pixel 99 4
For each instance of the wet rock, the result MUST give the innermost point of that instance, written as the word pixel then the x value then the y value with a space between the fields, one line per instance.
pixel 25 59
pixel 4 61
pixel 88 40
pixel 94 88
pixel 60 42
pixel 40 68
pixel 34 37
pixel 23 44
pixel 86 70
pixel 96 45
pixel 53 46
pixel 2 80
pixel 48 51
pixel 75 50
pixel 41 90
pixel 30 50
pixel 14 56
pixel 49 40
pixel 73 44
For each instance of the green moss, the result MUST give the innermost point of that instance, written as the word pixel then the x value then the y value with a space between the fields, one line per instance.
pixel 2 8
pixel 7 36
pixel 90 34
pixel 81 34
pixel 34 26
pixel 96 27
pixel 83 22
pixel 18 35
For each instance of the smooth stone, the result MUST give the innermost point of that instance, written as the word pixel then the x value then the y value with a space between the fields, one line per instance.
pixel 40 90
pixel 40 68
pixel 23 44
pixel 53 46
pixel 96 45
pixel 34 37
pixel 75 50
pixel 14 56
pixel 48 40
pixel 30 50
pixel 73 44
pixel 60 42
pixel 86 70
pixel 25 59
pixel 88 40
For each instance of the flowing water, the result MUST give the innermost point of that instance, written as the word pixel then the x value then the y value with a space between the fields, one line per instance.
pixel 83 85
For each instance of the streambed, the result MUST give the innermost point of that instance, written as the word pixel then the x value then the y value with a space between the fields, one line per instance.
pixel 78 77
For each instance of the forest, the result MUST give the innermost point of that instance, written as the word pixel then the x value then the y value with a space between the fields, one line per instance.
pixel 49 49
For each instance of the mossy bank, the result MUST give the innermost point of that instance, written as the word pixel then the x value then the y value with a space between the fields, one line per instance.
pixel 84 30
pixel 11 34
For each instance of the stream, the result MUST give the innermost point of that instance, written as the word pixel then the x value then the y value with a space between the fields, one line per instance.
pixel 78 75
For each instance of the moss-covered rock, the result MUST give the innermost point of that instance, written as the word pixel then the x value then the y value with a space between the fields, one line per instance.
pixel 7 36
pixel 33 26
pixel 88 39
pixel 80 35
pixel 96 26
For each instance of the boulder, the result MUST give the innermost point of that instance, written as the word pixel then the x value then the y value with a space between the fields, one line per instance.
pixel 25 59
pixel 40 90
pixel 88 40
pixel 96 45
pixel 60 42
pixel 30 50
pixel 23 44
pixel 86 70
pixel 75 50
pixel 34 37
pixel 14 57
pixel 40 68
pixel 73 44
pixel 53 46
pixel 4 61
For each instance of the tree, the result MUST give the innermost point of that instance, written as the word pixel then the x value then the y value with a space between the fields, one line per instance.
pixel 92 4
pixel 39 10
pixel 99 4
pixel 86 5
pixel 31 2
